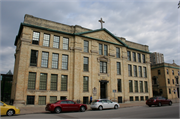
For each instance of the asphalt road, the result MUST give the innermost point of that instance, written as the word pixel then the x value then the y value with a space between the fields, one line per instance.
pixel 131 112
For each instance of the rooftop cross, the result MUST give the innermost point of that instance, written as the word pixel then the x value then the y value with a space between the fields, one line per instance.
pixel 101 22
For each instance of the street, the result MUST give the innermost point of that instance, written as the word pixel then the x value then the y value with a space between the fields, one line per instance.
pixel 131 112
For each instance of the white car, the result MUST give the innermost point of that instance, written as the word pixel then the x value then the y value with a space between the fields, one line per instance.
pixel 104 104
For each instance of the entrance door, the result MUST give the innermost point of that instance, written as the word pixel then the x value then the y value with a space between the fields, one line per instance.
pixel 103 86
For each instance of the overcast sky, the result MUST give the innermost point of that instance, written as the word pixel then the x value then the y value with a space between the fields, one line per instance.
pixel 155 23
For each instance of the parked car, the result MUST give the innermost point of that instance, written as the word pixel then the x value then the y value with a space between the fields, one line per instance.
pixel 64 106
pixel 8 110
pixel 104 104
pixel 159 101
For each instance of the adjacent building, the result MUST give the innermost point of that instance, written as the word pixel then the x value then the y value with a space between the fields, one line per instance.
pixel 156 58
pixel 55 61
pixel 165 80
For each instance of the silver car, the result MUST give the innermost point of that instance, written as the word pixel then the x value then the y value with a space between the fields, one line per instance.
pixel 104 104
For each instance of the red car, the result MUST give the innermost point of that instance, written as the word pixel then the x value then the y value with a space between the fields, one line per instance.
pixel 159 100
pixel 64 106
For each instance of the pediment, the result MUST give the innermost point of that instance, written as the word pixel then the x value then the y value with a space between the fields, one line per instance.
pixel 104 35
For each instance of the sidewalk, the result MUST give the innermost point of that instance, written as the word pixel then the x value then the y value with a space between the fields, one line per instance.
pixel 41 109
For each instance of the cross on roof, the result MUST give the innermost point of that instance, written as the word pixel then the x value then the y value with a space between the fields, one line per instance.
pixel 101 21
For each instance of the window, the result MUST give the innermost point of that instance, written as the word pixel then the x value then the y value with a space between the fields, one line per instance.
pixel 172 72
pixel 65 43
pixel 140 71
pixel 105 50
pixel 65 62
pixel 56 42
pixel 167 71
pixel 146 86
pixel 35 38
pixel 86 46
pixel 43 81
pixel 129 55
pixel 46 40
pixel 63 98
pixel 32 80
pixel 145 72
pixel 174 91
pixel 34 56
pixel 42 100
pixel 30 100
pixel 64 83
pixel 146 97
pixel 53 99
pixel 117 53
pixel 154 80
pixel 139 57
pixel 118 68
pixel 86 63
pixel 135 71
pixel 168 81
pixel 130 86
pixel 100 49
pixel 142 98
pixel 119 85
pixel 55 59
pixel 136 86
pixel 141 86
pixel 85 84
pixel 143 58
pixel 85 100
pixel 129 70
pixel 136 98
pixel 178 73
pixel 131 98
pixel 54 78
pixel 159 72
pixel 169 91
pixel 134 56
pixel 177 81
pixel 44 61
pixel 103 67
pixel 173 81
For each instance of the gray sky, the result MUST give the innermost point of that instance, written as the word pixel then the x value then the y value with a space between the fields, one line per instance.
pixel 155 23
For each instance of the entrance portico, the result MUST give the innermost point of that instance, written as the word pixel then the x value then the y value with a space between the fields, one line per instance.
pixel 103 88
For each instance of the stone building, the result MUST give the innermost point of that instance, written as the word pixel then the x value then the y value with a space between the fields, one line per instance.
pixel 165 80
pixel 55 61
pixel 156 58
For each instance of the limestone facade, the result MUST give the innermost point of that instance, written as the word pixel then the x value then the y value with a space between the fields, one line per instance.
pixel 103 71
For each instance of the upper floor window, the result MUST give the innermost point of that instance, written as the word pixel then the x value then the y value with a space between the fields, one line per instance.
pixel 178 73
pixel 64 81
pixel 140 71
pixel 86 63
pixel 85 84
pixel 117 53
pixel 43 81
pixel 86 46
pixel 100 49
pixel 129 55
pixel 119 85
pixel 167 71
pixel 168 81
pixel 144 58
pixel 145 72
pixel 136 86
pixel 172 72
pixel 177 81
pixel 46 40
pixel 55 59
pixel 141 86
pixel 34 56
pixel 134 56
pixel 65 62
pixel 54 78
pixel 173 81
pixel 159 72
pixel 119 68
pixel 32 80
pixel 139 57
pixel 146 86
pixel 44 60
pixel 105 50
pixel 56 42
pixel 35 38
pixel 130 86
pixel 65 43
pixel 103 67
pixel 129 70
pixel 169 91
pixel 135 71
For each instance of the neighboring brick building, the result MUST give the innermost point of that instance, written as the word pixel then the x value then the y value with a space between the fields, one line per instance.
pixel 56 61
pixel 165 80
pixel 156 58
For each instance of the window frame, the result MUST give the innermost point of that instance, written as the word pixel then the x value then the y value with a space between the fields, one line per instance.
pixel 55 43
pixel 54 82
pixel 43 82
pixel 65 44
pixel 46 42
pixel 105 50
pixel 86 66
pixel 100 49
pixel 65 63
pixel 129 55
pixel 64 83
pixel 36 42
pixel 118 65
pixel 55 63
pixel 130 86
pixel 86 46
pixel 103 69
pixel 34 57
pixel 119 85
pixel 129 70
pixel 85 84
pixel 117 52
pixel 134 56
pixel 45 60
pixel 33 82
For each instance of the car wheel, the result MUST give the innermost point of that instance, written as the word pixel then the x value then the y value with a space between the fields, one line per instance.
pixel 159 104
pixel 149 105
pixel 100 108
pixel 58 110
pixel 82 109
pixel 115 107
pixel 10 112
pixel 170 103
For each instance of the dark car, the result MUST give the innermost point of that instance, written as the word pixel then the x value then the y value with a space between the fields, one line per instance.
pixel 64 106
pixel 159 101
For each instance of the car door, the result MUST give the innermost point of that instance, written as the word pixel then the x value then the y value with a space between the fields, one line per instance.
pixel 104 104
pixel 64 105
pixel 72 106
pixel 110 104
pixel 3 108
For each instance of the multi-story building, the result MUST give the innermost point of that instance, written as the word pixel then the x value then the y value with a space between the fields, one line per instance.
pixel 156 58
pixel 165 80
pixel 55 61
